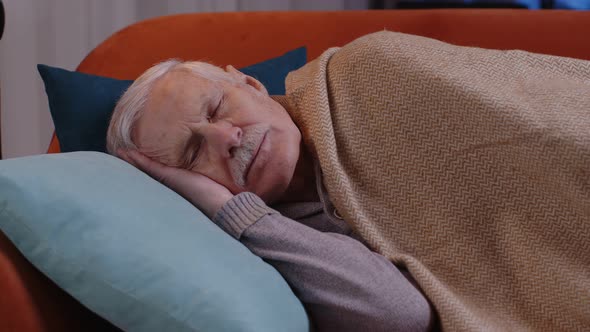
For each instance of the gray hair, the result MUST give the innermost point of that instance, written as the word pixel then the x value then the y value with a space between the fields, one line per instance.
pixel 132 104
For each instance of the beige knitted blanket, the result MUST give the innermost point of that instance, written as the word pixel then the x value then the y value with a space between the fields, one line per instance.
pixel 471 167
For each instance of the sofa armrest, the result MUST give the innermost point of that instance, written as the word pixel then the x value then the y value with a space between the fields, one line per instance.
pixel 31 302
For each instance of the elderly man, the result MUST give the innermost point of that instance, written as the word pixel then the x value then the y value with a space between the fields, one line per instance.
pixel 388 175
pixel 231 149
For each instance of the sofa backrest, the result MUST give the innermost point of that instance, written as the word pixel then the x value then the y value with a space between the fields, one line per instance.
pixel 243 38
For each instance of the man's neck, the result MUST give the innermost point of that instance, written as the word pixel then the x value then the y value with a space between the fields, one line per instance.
pixel 303 185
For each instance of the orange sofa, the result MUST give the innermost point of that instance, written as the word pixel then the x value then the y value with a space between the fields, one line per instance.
pixel 31 302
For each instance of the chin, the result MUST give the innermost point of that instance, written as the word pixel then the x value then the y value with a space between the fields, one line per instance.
pixel 278 173
pixel 273 187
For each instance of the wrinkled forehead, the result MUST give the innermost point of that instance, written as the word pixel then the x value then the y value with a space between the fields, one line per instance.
pixel 181 91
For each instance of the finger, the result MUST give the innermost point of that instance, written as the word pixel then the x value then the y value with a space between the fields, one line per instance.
pixel 155 169
pixel 122 154
pixel 142 161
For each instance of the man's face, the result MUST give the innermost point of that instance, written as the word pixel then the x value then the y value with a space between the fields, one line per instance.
pixel 231 132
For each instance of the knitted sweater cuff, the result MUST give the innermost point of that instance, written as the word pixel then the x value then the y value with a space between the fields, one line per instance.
pixel 240 212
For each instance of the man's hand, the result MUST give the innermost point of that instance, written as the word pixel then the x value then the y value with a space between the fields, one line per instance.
pixel 204 193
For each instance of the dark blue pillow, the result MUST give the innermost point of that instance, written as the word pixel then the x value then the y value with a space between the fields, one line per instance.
pixel 272 72
pixel 81 104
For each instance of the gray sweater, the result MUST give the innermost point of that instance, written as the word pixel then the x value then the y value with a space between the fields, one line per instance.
pixel 343 285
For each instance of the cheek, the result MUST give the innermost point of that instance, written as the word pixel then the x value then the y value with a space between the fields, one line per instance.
pixel 158 149
pixel 169 145
pixel 285 155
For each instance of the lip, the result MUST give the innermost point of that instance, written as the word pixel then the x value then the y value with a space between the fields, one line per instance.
pixel 253 160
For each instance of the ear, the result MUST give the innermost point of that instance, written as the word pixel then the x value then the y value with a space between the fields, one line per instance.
pixel 241 77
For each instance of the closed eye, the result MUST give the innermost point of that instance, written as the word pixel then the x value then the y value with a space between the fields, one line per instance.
pixel 215 111
pixel 193 146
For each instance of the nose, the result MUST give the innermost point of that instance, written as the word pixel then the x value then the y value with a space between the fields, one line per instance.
pixel 224 137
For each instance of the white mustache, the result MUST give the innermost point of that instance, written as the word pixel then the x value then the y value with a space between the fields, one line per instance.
pixel 251 137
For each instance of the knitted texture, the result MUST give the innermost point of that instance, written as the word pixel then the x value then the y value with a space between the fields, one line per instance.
pixel 471 167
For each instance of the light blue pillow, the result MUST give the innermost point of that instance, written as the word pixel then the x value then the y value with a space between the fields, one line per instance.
pixel 135 252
